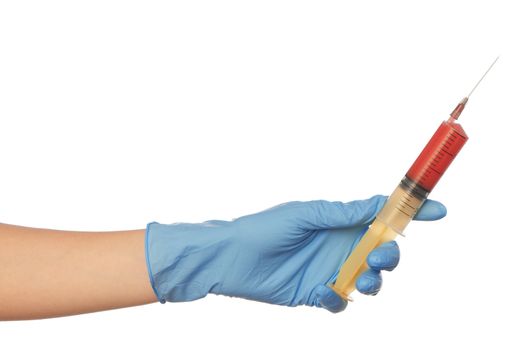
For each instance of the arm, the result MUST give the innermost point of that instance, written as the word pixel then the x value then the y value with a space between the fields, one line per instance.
pixel 284 255
pixel 49 273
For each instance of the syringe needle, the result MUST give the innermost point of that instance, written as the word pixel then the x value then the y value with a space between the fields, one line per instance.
pixel 461 105
pixel 479 81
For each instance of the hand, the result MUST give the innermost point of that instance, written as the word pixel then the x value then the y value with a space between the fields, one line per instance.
pixel 284 255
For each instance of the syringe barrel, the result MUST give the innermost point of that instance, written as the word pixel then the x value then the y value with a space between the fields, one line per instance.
pixel 423 175
pixel 437 155
pixel 402 205
pixel 405 201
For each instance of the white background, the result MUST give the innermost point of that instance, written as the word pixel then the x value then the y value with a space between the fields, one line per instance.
pixel 117 113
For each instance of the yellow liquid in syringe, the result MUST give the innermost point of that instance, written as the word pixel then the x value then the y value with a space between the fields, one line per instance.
pixel 377 234
pixel 398 211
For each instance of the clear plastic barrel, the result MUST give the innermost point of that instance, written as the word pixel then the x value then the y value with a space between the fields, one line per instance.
pixel 404 202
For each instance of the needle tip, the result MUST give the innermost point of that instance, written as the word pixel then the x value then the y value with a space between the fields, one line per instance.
pixel 479 81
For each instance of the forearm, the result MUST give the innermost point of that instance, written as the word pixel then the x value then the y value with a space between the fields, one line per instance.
pixel 49 273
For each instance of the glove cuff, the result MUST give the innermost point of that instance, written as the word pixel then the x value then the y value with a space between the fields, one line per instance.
pixel 182 258
pixel 148 265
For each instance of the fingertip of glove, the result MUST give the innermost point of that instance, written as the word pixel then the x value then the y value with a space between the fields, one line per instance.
pixel 326 298
pixel 441 210
pixel 431 210
pixel 369 282
pixel 384 257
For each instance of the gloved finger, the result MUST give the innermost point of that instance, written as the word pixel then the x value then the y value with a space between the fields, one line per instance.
pixel 431 210
pixel 384 257
pixel 326 298
pixel 369 282
pixel 322 214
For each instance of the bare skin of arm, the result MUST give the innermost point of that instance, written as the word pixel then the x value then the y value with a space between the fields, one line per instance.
pixel 50 273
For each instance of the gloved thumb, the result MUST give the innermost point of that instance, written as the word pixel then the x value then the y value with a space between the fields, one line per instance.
pixel 321 214
pixel 326 298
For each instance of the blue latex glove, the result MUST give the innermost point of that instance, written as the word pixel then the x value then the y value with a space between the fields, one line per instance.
pixel 284 255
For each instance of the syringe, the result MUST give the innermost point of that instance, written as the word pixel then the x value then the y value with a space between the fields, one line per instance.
pixel 410 194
